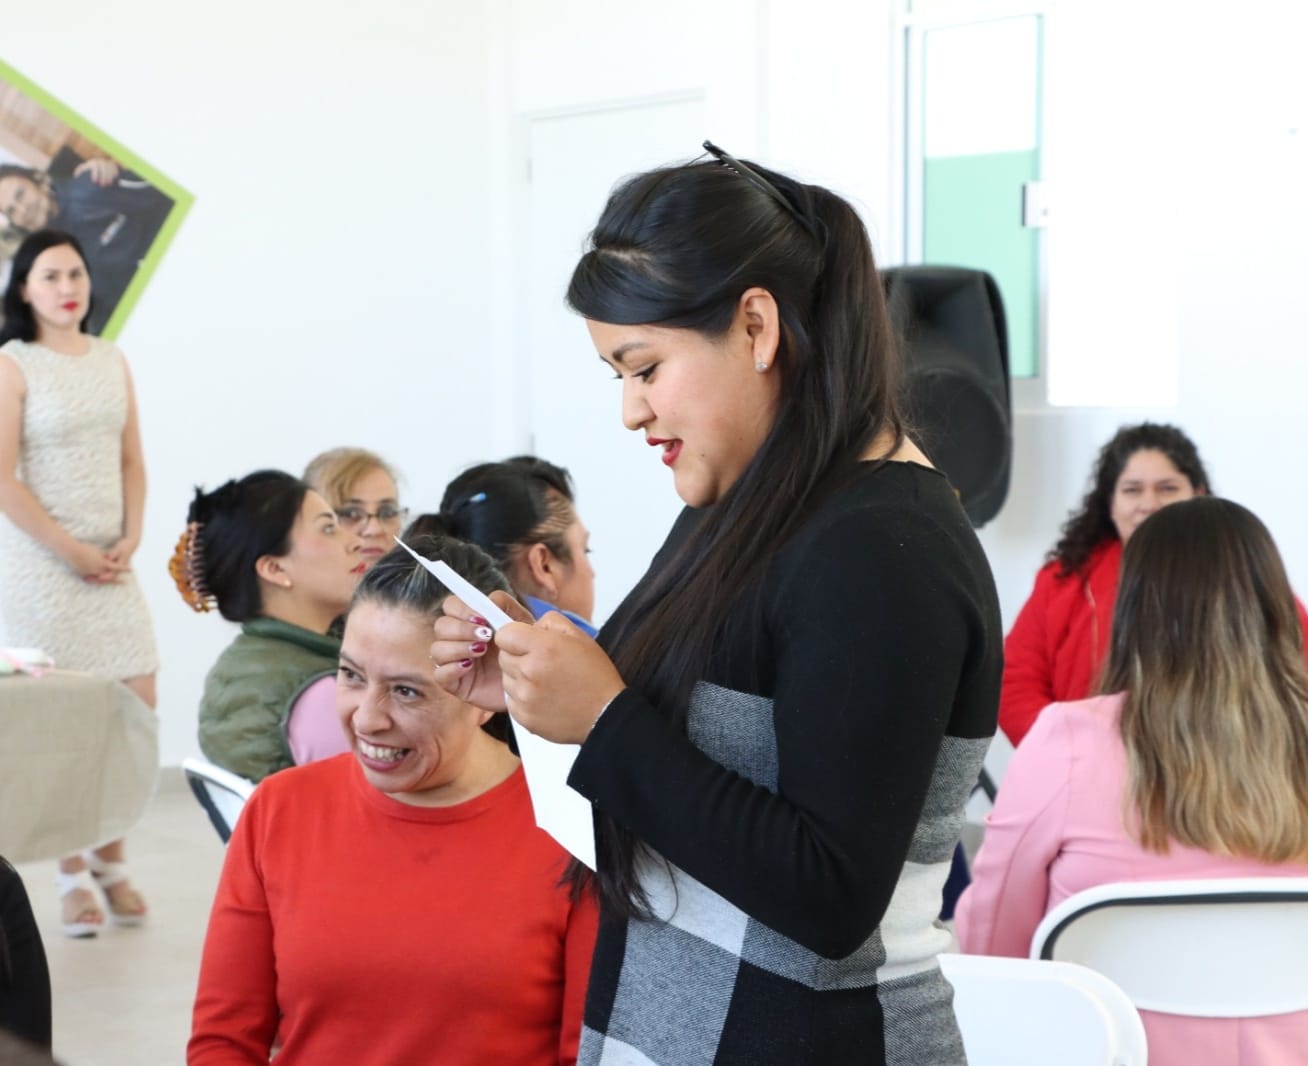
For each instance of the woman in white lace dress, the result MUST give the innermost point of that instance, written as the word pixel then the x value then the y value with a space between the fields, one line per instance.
pixel 72 492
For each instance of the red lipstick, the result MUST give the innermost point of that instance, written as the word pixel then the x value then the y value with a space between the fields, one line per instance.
pixel 671 448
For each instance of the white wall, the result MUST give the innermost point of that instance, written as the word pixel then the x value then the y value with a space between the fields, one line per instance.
pixel 349 272
pixel 799 83
pixel 613 77
pixel 1228 100
pixel 330 285
pixel 1199 113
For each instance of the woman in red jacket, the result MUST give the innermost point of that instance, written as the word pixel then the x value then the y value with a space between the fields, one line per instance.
pixel 1060 639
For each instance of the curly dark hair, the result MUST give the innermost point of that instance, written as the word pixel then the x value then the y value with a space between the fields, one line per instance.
pixel 1092 524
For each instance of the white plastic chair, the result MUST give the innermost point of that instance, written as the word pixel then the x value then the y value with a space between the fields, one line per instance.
pixel 1220 948
pixel 221 793
pixel 1021 1012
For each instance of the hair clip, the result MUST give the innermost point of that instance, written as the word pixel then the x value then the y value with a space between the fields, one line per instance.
pixel 479 497
pixel 186 568
pixel 760 182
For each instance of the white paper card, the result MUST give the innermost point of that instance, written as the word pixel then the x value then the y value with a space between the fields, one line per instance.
pixel 560 810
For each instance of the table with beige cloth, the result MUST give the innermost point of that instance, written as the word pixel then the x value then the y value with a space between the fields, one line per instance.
pixel 79 756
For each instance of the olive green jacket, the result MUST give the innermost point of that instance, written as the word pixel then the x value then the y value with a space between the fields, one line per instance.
pixel 249 692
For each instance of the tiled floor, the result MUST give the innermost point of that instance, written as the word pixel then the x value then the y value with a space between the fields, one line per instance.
pixel 124 998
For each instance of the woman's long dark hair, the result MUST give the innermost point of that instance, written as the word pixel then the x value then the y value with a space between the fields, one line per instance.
pixel 19 322
pixel 1092 524
pixel 677 247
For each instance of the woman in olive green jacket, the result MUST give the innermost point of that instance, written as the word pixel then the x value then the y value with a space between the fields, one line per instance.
pixel 268 553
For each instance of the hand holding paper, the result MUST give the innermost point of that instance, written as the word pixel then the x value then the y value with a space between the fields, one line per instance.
pixel 557 678
pixel 467 663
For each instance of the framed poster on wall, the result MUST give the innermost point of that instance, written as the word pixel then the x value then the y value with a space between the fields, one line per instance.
pixel 59 171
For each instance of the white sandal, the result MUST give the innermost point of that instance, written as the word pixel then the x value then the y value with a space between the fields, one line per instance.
pixel 107 875
pixel 67 884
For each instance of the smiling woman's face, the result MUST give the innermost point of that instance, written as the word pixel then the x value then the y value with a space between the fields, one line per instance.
pixel 703 401
pixel 1149 481
pixel 414 741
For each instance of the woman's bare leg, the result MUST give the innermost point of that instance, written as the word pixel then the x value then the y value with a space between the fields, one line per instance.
pixel 143 686
pixel 123 898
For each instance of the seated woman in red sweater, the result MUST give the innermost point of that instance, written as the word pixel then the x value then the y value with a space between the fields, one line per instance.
pixel 396 904
pixel 1191 767
pixel 1057 646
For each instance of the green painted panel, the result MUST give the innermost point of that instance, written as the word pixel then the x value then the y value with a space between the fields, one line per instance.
pixel 972 217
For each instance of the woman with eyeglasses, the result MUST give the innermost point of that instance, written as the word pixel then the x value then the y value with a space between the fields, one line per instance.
pixel 780 725
pixel 268 552
pixel 360 486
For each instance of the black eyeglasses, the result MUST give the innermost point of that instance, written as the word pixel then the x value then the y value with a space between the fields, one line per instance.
pixel 388 516
pixel 760 182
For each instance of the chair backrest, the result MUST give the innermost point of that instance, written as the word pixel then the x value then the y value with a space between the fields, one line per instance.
pixel 1216 948
pixel 1021 1012
pixel 221 793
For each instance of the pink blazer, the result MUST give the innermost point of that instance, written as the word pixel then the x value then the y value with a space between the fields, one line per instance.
pixel 1058 827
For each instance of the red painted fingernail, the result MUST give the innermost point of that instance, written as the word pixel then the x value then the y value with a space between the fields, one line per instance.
pixel 478 620
pixel 477 648
pixel 484 632
pixel 466 663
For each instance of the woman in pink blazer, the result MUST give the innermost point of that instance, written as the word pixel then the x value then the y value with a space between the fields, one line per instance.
pixel 1191 767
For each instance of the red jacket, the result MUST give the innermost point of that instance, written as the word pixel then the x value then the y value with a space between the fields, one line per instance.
pixel 1058 644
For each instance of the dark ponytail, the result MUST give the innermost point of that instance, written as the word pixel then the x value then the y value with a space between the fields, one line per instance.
pixel 506 507
pixel 677 247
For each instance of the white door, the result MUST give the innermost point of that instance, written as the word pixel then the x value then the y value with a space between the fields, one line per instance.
pixel 624 494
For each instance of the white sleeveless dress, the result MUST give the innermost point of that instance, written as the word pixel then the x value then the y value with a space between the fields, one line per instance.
pixel 70 457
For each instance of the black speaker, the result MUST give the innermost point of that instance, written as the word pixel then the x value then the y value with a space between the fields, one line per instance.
pixel 950 323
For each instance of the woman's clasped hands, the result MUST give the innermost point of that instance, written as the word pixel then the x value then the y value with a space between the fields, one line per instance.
pixel 95 565
pixel 551 677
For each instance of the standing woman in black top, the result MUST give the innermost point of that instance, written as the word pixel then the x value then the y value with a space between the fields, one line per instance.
pixel 780 725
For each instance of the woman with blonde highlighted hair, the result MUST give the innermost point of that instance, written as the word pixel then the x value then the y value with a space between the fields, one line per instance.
pixel 1191 765
pixel 361 488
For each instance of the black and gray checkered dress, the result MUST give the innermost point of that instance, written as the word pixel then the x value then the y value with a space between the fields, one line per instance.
pixel 802 831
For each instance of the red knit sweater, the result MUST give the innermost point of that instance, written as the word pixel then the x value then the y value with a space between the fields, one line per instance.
pixel 363 930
